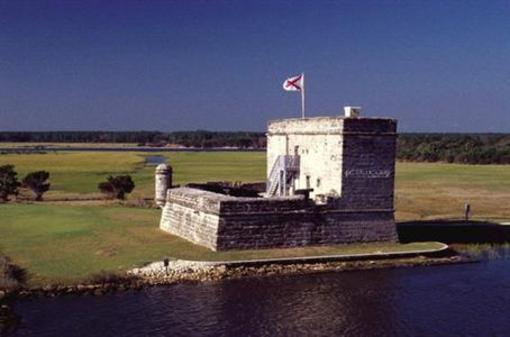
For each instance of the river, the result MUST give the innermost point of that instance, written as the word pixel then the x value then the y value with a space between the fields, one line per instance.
pixel 454 300
pixel 155 160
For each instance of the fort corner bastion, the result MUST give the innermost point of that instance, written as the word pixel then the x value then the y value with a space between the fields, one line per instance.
pixel 330 180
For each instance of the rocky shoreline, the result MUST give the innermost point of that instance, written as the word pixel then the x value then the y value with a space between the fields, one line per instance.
pixel 184 271
pixel 179 271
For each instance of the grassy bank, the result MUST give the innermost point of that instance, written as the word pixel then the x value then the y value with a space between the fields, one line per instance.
pixel 67 244
pixel 59 243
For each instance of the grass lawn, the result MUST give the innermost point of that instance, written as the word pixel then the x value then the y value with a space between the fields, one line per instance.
pixel 66 244
pixel 61 243
pixel 436 190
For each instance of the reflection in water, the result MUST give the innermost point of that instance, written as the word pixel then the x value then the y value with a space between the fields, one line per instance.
pixel 467 300
pixel 484 251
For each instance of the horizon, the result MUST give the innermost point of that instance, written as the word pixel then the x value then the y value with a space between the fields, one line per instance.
pixel 241 131
pixel 439 67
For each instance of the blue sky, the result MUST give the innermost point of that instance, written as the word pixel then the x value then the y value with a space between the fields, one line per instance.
pixel 182 65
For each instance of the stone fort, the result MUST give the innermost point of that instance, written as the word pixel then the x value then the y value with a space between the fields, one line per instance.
pixel 330 180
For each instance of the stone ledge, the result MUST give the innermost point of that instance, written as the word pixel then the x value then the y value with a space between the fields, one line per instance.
pixel 195 264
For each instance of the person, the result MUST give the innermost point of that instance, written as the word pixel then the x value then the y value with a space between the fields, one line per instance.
pixel 467 211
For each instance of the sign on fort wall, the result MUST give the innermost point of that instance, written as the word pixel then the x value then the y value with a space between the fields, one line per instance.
pixel 367 173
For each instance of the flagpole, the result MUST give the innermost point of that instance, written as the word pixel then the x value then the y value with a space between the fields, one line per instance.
pixel 303 97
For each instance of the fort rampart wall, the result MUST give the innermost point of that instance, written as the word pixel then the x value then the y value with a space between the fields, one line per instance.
pixel 221 222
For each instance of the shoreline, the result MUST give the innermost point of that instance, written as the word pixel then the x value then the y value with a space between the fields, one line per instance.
pixel 180 271
pixel 157 275
pixel 190 272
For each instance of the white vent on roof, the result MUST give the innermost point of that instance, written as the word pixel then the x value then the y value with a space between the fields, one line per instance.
pixel 352 111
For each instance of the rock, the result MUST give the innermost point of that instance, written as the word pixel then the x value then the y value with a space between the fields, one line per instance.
pixel 99 292
pixel 48 287
pixel 81 287
pixel 24 293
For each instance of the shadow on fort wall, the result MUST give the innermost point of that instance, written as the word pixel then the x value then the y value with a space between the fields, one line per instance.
pixel 453 231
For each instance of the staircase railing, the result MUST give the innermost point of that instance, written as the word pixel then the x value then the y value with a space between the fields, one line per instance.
pixel 274 176
pixel 284 170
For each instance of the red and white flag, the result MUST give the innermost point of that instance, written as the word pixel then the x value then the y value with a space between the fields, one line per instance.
pixel 295 83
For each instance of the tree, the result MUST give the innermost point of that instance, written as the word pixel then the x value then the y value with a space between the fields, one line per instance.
pixel 107 189
pixel 117 187
pixel 8 182
pixel 37 183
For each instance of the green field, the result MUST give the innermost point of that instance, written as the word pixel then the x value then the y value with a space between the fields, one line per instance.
pixel 58 242
pixel 423 190
pixel 74 174
pixel 439 191
pixel 67 244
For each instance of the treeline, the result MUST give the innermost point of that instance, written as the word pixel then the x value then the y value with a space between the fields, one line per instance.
pixel 199 139
pixel 454 148
pixel 79 136
pixel 421 147
pixel 208 139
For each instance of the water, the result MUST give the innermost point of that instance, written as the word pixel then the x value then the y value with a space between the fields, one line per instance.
pixel 155 160
pixel 454 300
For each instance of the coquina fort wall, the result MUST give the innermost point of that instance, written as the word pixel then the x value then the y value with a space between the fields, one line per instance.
pixel 345 165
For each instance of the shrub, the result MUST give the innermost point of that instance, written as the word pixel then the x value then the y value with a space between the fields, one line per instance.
pixel 8 182
pixel 107 189
pixel 37 183
pixel 117 187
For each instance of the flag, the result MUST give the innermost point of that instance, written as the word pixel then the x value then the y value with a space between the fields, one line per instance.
pixel 295 83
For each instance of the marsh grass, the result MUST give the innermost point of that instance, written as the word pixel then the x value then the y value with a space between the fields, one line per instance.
pixel 484 251
pixel 11 275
